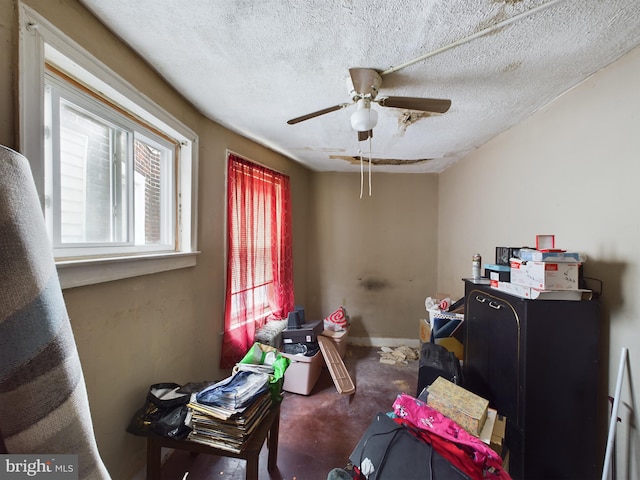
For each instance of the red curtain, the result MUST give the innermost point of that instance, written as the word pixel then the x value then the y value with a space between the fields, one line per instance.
pixel 259 254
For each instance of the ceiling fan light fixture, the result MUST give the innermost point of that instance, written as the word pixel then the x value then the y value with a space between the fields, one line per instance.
pixel 364 118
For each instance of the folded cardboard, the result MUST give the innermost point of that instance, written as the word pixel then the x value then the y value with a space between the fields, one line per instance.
pixel 489 425
pixel 536 294
pixel 545 275
pixel 464 407
pixel 498 434
pixel 425 330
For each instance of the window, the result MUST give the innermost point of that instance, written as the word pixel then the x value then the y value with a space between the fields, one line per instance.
pixel 111 188
pixel 259 253
pixel 115 173
pixel 251 247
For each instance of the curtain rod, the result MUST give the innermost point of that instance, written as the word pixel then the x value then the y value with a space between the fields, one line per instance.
pixel 253 161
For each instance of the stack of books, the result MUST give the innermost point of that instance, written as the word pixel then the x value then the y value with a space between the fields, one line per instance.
pixel 225 414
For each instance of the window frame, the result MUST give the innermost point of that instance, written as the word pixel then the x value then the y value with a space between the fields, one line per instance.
pixel 41 42
pixel 66 92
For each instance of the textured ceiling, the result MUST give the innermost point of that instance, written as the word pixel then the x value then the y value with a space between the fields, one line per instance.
pixel 252 65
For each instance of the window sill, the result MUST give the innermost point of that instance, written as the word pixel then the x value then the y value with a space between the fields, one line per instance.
pixel 77 273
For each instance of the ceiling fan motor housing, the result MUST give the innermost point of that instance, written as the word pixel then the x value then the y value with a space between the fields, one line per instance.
pixel 363 83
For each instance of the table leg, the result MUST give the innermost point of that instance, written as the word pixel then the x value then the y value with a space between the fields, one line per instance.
pixel 153 459
pixel 272 443
pixel 252 466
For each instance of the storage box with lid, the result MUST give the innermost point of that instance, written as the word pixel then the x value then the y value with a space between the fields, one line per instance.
pixel 302 373
pixel 339 339
pixel 529 254
pixel 464 407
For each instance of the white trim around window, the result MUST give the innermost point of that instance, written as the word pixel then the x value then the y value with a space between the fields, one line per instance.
pixel 41 42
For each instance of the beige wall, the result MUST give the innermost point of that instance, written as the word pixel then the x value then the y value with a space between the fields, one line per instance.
pixel 376 256
pixel 571 169
pixel 163 327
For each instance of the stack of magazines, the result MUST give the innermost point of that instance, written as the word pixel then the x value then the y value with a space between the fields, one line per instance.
pixel 225 414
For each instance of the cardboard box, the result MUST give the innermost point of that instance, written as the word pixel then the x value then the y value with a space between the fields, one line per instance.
pixel 545 275
pixel 464 407
pixel 425 330
pixel 303 373
pixel 487 428
pixel 498 434
pixel 545 242
pixel 529 254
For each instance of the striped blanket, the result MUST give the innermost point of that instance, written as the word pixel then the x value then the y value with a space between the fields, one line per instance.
pixel 44 407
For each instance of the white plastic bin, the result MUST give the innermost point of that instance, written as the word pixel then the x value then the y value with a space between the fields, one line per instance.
pixel 303 373
pixel 339 339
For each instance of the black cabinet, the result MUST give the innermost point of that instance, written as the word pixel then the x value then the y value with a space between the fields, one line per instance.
pixel 537 362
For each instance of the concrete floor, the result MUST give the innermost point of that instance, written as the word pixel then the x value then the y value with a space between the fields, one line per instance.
pixel 318 432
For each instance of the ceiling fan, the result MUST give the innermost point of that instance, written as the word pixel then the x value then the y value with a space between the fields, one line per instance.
pixel 366 82
pixel 364 86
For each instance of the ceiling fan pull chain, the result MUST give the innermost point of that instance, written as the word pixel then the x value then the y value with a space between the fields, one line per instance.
pixel 369 165
pixel 361 172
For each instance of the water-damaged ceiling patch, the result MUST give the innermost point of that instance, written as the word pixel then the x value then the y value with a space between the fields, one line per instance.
pixel 512 66
pixel 486 23
pixel 495 60
pixel 408 117
pixel 355 159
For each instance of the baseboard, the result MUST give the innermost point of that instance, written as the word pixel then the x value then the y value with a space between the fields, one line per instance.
pixel 383 342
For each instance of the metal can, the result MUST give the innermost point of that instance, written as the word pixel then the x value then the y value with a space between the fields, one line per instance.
pixel 476 262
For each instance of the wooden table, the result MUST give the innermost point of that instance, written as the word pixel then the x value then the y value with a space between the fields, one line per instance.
pixel 268 429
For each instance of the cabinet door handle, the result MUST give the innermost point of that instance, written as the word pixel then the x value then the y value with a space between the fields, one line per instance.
pixel 480 299
pixel 495 305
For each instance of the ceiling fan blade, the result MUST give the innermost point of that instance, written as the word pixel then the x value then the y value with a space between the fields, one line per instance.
pixel 362 136
pixel 437 105
pixel 366 81
pixel 317 114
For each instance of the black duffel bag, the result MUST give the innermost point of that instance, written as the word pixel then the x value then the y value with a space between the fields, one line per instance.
pixel 163 413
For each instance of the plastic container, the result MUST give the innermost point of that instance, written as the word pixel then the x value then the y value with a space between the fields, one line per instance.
pixel 339 339
pixel 303 373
